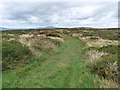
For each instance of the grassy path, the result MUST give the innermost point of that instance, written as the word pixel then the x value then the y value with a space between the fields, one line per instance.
pixel 68 68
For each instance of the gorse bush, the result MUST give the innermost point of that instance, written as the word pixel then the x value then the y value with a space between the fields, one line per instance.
pixel 13 53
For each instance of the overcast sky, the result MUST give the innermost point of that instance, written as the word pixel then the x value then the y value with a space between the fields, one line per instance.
pixel 59 14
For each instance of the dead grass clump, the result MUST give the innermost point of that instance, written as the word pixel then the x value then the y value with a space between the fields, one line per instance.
pixel 108 71
pixel 109 84
pixel 26 35
pixel 107 68
pixel 11 39
pixel 11 34
pixel 98 42
pixel 94 55
pixel 56 39
pixel 93 40
pixel 42 43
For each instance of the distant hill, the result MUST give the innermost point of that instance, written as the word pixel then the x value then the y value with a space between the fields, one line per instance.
pixel 46 27
pixel 52 27
pixel 3 28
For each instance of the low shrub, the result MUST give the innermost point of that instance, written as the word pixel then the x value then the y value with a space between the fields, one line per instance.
pixel 14 54
pixel 107 68
pixel 53 35
pixel 112 49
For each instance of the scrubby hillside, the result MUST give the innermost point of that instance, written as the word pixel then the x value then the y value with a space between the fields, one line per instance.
pixel 77 57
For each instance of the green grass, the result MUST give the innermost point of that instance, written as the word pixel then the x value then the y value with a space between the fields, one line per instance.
pixel 65 68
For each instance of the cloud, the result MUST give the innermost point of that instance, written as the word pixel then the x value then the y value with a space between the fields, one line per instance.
pixel 37 14
pixel 60 0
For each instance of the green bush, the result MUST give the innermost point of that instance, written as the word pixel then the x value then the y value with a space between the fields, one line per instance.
pixel 14 54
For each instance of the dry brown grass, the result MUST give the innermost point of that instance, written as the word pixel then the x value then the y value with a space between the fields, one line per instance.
pixel 109 72
pixel 94 55
pixel 41 41
pixel 93 41
pixel 104 83
pixel 109 84
pixel 56 38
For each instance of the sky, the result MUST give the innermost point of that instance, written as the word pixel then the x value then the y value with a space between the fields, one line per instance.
pixel 27 14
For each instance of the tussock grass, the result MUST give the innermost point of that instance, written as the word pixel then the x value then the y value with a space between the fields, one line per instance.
pixel 106 65
pixel 94 55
